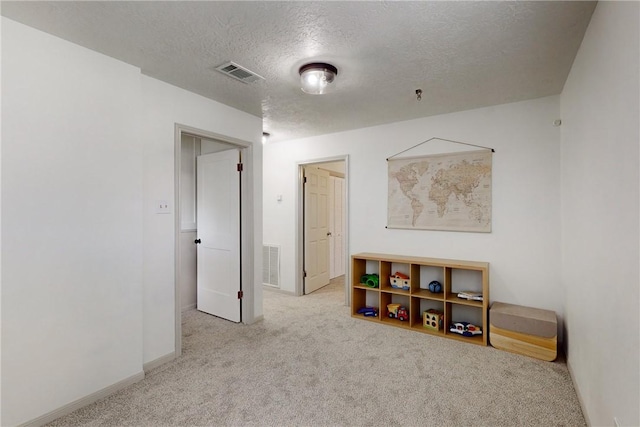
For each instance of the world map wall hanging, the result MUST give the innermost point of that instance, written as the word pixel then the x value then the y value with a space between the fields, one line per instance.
pixel 449 191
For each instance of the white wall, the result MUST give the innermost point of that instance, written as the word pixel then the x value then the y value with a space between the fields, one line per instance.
pixel 524 247
pixel 163 106
pixel 1 21
pixel 71 223
pixel 88 278
pixel 600 214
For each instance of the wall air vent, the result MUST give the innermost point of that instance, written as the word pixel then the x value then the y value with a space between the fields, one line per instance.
pixel 271 265
pixel 238 72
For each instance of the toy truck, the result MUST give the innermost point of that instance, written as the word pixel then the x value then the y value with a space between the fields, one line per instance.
pixel 397 311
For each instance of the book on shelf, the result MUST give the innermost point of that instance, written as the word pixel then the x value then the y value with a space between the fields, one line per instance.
pixel 470 295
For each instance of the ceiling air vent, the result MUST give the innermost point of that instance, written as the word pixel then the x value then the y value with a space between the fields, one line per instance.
pixel 238 72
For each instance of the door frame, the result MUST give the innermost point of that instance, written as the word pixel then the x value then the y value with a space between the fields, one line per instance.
pixel 299 275
pixel 246 223
pixel 332 180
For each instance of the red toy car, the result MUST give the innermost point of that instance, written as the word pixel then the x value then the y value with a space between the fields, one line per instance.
pixel 396 311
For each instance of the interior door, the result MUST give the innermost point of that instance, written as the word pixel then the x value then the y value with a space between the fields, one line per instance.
pixel 336 226
pixel 218 210
pixel 316 228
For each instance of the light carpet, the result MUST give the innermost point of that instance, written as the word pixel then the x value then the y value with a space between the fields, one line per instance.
pixel 308 363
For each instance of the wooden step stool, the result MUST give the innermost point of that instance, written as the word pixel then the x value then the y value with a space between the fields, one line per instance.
pixel 524 330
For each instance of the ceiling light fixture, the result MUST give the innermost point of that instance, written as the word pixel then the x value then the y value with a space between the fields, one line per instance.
pixel 265 137
pixel 316 78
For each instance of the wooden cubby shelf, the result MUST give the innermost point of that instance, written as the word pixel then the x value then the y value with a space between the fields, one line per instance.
pixel 454 275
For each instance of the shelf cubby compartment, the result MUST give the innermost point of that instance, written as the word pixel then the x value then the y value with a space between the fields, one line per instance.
pixel 390 268
pixel 454 276
pixel 394 298
pixel 365 297
pixel 418 307
pixel 464 313
pixel 461 279
pixel 425 274
pixel 361 267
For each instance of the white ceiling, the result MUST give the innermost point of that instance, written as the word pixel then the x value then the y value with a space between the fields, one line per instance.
pixel 462 55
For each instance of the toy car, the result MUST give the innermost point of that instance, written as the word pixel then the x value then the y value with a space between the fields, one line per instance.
pixel 370 280
pixel 396 311
pixel 368 311
pixel 465 329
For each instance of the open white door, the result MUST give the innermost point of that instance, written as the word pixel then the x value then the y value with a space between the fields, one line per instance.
pixel 218 215
pixel 316 228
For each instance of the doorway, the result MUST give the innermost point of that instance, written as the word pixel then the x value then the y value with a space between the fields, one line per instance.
pixel 322 226
pixel 192 144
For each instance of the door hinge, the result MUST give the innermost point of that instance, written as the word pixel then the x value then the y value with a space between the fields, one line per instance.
pixel 305 273
pixel 240 294
pixel 305 180
pixel 240 167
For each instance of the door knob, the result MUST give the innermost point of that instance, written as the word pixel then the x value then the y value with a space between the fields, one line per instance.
pixel 328 233
pixel 197 241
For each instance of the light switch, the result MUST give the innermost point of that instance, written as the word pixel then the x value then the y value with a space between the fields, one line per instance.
pixel 163 207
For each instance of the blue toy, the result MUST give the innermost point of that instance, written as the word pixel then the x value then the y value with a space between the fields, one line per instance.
pixel 435 287
pixel 368 311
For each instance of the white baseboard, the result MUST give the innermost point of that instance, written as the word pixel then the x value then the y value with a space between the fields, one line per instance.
pixel 278 290
pixel 84 401
pixel 258 319
pixel 575 387
pixel 188 307
pixel 159 361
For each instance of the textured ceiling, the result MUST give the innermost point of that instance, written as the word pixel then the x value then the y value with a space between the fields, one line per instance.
pixel 462 55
